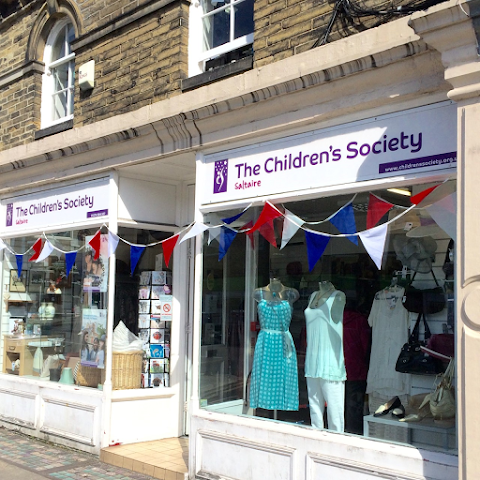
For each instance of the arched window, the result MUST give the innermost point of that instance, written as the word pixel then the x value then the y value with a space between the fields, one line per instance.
pixel 59 77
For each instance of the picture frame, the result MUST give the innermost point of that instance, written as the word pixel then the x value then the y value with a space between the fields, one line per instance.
pixel 18 284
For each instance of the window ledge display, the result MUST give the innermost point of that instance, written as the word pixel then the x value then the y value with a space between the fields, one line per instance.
pixel 414 433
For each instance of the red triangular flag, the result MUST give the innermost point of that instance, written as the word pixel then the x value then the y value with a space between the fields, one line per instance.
pixel 377 208
pixel 95 244
pixel 416 199
pixel 37 248
pixel 168 245
pixel 268 233
pixel 269 212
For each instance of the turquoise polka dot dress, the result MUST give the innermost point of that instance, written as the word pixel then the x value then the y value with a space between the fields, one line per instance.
pixel 274 383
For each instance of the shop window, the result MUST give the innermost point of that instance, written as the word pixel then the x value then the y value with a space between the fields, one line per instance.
pixel 226 32
pixel 59 77
pixel 54 319
pixel 316 343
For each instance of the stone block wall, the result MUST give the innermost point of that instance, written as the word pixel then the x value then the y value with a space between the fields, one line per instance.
pixel 137 65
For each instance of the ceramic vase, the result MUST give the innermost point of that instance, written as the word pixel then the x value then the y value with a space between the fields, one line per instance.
pixel 49 311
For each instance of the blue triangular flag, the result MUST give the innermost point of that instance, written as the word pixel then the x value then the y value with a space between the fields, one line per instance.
pixel 19 259
pixel 135 254
pixel 70 258
pixel 230 220
pixel 226 238
pixel 344 220
pixel 316 244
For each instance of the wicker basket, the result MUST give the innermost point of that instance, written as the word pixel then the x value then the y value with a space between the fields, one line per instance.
pixel 90 376
pixel 127 370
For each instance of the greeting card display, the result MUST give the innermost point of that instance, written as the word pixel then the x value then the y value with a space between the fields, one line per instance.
pixel 154 323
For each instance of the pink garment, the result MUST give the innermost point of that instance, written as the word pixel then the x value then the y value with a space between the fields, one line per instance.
pixel 357 339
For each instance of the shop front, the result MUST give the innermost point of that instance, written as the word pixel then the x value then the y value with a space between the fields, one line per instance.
pixel 315 245
pixel 92 310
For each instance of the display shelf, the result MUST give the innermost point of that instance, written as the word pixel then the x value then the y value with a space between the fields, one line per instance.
pixel 425 433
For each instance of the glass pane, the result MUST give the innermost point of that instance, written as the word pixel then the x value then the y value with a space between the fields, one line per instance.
pixel 339 318
pixel 58 49
pixel 59 319
pixel 216 29
pixel 60 105
pixel 210 5
pixel 243 18
pixel 70 38
pixel 223 325
pixel 60 77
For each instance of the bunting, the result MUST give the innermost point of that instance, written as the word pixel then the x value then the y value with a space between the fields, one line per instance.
pixel 37 248
pixel 344 220
pixel 443 211
pixel 113 240
pixel 316 244
pixel 416 199
pixel 19 260
pixel 168 245
pixel 374 242
pixel 197 229
pixel 70 258
pixel 291 224
pixel 377 208
pixel 135 254
pixel 269 212
pixel 226 239
pixel 46 251
pixel 95 244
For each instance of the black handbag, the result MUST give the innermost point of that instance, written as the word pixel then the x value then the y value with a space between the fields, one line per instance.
pixel 430 300
pixel 412 359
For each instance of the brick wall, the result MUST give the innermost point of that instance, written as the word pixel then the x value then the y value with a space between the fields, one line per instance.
pixel 139 65
pixel 286 27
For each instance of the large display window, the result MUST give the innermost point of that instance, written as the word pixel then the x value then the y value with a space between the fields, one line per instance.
pixel 343 322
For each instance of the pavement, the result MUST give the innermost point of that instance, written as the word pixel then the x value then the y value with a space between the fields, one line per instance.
pixel 27 458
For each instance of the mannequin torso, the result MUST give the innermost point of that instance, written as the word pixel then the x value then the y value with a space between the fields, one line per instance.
pixel 276 291
pixel 325 291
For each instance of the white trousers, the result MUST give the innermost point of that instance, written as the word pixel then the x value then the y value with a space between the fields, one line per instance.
pixel 333 393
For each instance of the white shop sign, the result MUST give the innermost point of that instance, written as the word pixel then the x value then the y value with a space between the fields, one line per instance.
pixel 80 203
pixel 414 141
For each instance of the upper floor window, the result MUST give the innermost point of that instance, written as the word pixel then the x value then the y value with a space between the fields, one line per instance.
pixel 59 77
pixel 224 26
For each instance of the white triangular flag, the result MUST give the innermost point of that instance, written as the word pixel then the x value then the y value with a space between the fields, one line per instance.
pixel 374 242
pixel 2 245
pixel 444 212
pixel 194 231
pixel 214 233
pixel 46 251
pixel 113 240
pixel 291 224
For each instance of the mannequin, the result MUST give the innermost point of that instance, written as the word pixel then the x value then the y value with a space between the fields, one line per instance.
pixel 274 384
pixel 275 291
pixel 324 361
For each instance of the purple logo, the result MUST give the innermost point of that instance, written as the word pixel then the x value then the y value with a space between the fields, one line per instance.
pixel 9 214
pixel 220 176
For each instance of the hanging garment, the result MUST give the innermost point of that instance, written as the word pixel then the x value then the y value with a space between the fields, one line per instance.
pixel 389 321
pixel 274 374
pixel 324 357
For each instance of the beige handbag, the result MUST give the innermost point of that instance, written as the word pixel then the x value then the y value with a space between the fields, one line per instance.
pixel 442 400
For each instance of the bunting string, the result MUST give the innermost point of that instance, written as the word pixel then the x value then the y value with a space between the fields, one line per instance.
pixel 373 238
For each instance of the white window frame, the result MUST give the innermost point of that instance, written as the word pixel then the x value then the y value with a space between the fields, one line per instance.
pixel 197 56
pixel 48 80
